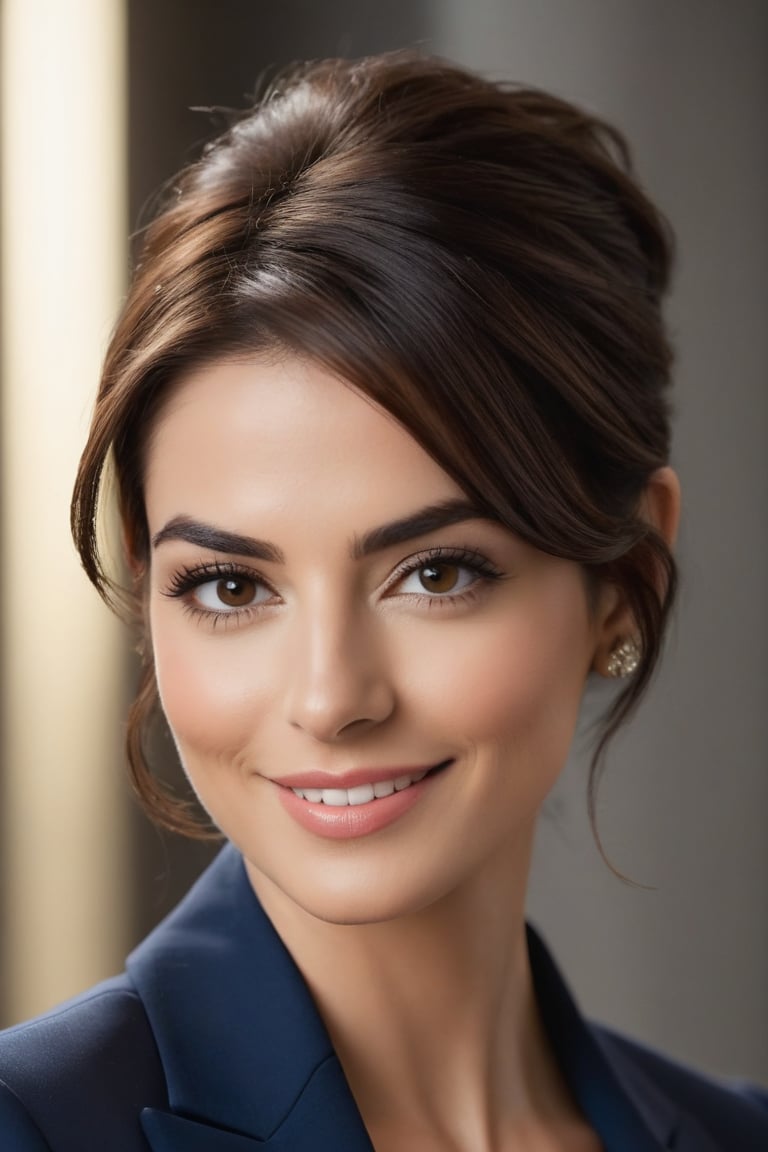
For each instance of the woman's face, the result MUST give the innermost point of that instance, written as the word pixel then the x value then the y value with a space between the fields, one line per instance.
pixel 328 614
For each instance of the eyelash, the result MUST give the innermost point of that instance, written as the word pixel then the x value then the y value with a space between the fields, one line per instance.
pixel 187 580
pixel 468 558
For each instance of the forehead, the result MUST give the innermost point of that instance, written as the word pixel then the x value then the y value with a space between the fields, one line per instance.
pixel 246 437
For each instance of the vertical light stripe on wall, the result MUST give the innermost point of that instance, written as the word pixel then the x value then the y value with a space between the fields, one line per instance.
pixel 63 256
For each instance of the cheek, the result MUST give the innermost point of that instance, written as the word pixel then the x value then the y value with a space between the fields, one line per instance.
pixel 211 689
pixel 515 683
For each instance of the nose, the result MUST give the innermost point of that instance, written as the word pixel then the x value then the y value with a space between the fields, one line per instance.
pixel 339 681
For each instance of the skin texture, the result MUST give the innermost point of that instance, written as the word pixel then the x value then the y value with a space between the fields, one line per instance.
pixel 336 663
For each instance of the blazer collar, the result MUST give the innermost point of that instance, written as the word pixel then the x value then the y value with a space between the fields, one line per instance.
pixel 243 1047
pixel 249 1063
pixel 627 1110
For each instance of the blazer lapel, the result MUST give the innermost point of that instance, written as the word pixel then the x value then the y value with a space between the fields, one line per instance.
pixel 321 1119
pixel 626 1109
pixel 247 1059
pixel 168 1133
pixel 673 1127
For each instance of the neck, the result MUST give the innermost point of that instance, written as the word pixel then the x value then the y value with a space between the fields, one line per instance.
pixel 434 1009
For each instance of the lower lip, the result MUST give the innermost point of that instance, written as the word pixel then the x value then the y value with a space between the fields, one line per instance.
pixel 352 820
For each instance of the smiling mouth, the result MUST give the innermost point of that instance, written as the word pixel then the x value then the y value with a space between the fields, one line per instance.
pixel 365 793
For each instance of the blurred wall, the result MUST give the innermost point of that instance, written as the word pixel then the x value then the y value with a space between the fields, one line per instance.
pixel 680 962
pixel 63 245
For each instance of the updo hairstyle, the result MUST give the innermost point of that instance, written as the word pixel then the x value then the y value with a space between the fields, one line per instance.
pixel 475 257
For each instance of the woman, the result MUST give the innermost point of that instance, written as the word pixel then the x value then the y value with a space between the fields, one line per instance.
pixel 386 416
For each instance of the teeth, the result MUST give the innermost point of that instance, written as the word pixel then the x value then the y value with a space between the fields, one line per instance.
pixel 336 797
pixel 361 794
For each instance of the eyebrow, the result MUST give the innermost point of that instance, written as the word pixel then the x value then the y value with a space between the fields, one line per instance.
pixel 420 523
pixel 217 540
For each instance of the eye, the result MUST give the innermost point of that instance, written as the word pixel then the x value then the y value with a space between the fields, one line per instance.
pixel 438 578
pixel 220 591
pixel 444 575
pixel 231 593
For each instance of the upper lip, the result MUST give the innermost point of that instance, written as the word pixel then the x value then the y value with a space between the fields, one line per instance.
pixel 352 778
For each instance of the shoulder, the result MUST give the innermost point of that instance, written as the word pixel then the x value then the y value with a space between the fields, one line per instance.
pixel 76 1074
pixel 733 1114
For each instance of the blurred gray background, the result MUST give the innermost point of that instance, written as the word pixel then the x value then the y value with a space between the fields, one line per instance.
pixel 680 959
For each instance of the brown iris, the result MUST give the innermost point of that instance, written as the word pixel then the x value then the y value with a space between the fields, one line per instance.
pixel 235 592
pixel 439 577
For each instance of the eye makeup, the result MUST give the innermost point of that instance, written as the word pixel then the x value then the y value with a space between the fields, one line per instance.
pixel 232 592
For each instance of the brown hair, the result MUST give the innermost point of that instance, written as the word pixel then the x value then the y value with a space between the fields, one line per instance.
pixel 476 257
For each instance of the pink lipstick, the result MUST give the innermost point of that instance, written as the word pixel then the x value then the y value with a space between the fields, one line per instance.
pixel 351 804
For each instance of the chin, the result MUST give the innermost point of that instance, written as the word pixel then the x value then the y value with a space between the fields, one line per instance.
pixel 345 896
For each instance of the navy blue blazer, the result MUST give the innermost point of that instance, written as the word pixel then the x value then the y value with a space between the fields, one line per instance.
pixel 210 1042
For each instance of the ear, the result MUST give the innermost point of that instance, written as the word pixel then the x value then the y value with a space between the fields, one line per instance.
pixel 660 504
pixel 660 508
